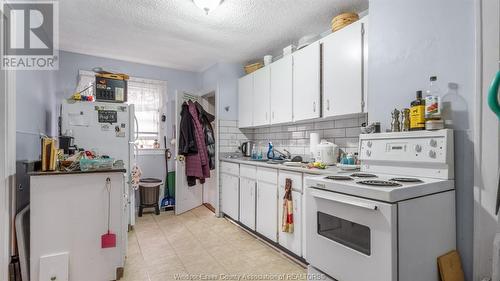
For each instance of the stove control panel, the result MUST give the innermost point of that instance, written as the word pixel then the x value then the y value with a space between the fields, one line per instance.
pixel 408 150
pixel 425 149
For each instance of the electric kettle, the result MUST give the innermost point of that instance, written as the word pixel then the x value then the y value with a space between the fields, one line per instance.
pixel 246 148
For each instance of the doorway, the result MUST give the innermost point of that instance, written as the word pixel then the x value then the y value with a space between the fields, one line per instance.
pixel 487 147
pixel 188 195
pixel 7 164
pixel 210 186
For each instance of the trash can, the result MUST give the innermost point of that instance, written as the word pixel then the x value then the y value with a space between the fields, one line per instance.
pixel 149 193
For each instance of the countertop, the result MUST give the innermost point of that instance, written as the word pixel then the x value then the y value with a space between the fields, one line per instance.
pixel 314 171
pixel 57 173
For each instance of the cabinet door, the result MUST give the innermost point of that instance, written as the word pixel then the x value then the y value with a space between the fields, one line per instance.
pixel 245 101
pixel 343 71
pixel 291 241
pixel 281 90
pixel 247 202
pixel 262 96
pixel 230 195
pixel 306 83
pixel 267 210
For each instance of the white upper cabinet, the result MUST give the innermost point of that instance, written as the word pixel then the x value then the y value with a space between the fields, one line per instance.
pixel 327 78
pixel 282 90
pixel 262 96
pixel 343 71
pixel 245 101
pixel 306 83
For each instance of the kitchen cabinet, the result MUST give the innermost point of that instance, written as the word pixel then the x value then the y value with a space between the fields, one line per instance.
pixel 248 186
pixel 245 101
pixel 262 96
pixel 247 202
pixel 291 241
pixel 267 204
pixel 229 181
pixel 282 90
pixel 343 71
pixel 306 83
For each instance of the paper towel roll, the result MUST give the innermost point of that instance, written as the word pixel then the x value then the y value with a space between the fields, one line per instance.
pixel 313 142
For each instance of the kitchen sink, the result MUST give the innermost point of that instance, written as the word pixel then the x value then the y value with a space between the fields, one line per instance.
pixel 276 161
pixel 259 160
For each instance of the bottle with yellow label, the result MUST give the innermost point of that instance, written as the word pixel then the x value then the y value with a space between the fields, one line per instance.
pixel 417 113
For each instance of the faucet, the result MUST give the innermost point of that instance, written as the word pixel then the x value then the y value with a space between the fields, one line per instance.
pixel 286 155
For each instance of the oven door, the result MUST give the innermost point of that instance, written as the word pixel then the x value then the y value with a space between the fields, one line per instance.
pixel 350 238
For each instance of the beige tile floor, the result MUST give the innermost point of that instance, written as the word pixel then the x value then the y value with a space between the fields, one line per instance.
pixel 195 245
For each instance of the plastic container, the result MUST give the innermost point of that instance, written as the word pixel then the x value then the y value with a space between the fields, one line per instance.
pixel 149 192
pixel 433 100
pixel 96 164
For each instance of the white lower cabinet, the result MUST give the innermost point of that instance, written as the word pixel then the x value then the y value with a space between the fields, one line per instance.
pixel 248 186
pixel 291 241
pixel 267 204
pixel 254 197
pixel 230 195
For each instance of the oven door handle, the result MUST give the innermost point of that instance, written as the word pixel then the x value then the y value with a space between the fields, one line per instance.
pixel 368 206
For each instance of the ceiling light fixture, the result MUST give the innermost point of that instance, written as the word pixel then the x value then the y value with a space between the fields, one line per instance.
pixel 207 5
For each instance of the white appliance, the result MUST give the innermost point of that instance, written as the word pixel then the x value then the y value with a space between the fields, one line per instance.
pixel 107 128
pixel 391 220
pixel 326 152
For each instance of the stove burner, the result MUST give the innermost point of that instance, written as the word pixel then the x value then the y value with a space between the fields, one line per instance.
pixel 412 180
pixel 380 183
pixel 339 178
pixel 363 175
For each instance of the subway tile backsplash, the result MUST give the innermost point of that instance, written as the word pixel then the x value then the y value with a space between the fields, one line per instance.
pixel 294 137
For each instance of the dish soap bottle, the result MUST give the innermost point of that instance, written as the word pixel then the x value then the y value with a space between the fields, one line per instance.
pixel 270 151
pixel 417 113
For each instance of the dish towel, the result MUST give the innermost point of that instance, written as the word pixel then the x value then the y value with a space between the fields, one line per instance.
pixel 287 220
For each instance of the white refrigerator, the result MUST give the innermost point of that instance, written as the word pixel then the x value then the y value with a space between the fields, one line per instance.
pixel 108 129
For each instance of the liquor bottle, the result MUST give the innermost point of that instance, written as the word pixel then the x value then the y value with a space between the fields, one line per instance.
pixel 417 113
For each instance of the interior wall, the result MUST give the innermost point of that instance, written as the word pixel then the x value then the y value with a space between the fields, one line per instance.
pixel 177 80
pixel 223 77
pixel 410 41
pixel 35 111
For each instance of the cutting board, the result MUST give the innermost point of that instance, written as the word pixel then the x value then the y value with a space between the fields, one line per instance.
pixel 450 267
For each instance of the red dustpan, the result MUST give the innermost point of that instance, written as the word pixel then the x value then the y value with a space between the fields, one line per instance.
pixel 108 240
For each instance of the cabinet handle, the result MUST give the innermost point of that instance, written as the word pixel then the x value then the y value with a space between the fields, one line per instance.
pixel 273 115
pixel 266 116
pixel 314 106
pixel 328 104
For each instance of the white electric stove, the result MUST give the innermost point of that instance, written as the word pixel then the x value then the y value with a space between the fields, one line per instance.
pixel 392 219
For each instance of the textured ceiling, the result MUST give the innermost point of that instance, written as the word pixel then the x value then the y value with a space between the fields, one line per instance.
pixel 177 34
